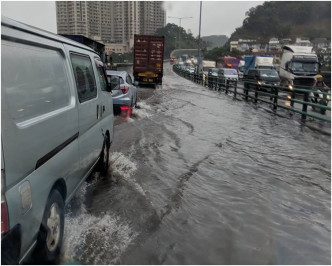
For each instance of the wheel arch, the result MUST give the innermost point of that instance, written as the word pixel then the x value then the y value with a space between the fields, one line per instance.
pixel 61 186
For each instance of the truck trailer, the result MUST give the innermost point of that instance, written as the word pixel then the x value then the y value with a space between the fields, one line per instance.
pixel 148 59
pixel 257 62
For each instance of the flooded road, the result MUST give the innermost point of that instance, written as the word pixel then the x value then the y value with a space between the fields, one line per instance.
pixel 197 178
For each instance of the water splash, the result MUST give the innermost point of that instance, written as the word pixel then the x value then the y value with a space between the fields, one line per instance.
pixel 84 232
pixel 143 110
pixel 122 167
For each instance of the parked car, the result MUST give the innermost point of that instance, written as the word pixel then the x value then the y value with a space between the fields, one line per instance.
pixel 263 79
pixel 126 93
pixel 57 125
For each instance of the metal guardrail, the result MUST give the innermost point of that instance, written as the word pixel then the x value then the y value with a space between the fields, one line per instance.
pixel 290 98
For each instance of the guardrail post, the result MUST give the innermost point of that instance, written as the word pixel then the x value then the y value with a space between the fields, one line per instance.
pixel 275 100
pixel 305 106
pixel 256 95
pixel 235 89
pixel 292 97
pixel 246 92
pixel 226 85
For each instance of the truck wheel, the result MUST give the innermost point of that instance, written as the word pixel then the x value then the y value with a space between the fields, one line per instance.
pixel 50 236
pixel 104 156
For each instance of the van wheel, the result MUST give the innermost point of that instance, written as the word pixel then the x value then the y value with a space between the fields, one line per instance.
pixel 104 156
pixel 51 230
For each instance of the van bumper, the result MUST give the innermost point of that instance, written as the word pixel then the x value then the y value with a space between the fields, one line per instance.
pixel 11 246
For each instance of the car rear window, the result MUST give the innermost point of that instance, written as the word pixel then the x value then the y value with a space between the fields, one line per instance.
pixel 112 77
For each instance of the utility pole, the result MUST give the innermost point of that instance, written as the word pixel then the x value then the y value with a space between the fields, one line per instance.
pixel 199 61
pixel 179 35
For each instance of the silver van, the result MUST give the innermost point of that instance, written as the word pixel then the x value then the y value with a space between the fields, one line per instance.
pixel 57 125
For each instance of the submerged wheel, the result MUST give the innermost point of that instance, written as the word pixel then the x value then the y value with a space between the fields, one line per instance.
pixel 51 230
pixel 104 156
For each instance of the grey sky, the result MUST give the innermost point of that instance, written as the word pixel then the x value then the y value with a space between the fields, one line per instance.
pixel 218 17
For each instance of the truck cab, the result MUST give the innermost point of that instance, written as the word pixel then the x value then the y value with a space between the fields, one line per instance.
pixel 299 66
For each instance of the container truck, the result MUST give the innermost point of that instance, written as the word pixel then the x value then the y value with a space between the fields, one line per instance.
pixel 257 62
pixel 299 66
pixel 148 59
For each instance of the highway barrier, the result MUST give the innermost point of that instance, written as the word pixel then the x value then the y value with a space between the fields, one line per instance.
pixel 291 98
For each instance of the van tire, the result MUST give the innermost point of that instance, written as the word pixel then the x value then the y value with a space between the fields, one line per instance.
pixel 104 156
pixel 49 243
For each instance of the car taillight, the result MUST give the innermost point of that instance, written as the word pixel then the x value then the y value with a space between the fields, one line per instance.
pixel 124 89
pixel 4 210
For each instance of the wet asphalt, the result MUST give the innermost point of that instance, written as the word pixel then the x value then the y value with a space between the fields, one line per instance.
pixel 198 178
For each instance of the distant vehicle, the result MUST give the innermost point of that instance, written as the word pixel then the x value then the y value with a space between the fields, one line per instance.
pixel 213 72
pixel 191 70
pixel 126 93
pixel 227 62
pixel 212 75
pixel 240 69
pixel 299 66
pixel 228 73
pixel 263 78
pixel 57 125
pixel 206 65
pixel 148 59
pixel 257 62
pixel 172 60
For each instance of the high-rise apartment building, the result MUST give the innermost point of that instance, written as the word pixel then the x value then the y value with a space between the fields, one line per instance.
pixel 113 23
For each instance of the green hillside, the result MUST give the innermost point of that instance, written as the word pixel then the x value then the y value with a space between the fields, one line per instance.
pixel 283 19
pixel 215 40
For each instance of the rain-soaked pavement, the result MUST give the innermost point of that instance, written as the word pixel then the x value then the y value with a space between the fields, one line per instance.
pixel 197 178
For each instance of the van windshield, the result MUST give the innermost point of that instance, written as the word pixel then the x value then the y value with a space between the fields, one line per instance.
pixel 269 73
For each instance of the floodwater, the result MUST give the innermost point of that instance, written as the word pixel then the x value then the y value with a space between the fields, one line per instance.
pixel 198 178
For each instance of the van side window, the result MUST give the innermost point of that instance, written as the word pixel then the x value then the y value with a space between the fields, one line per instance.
pixel 102 77
pixel 35 83
pixel 83 72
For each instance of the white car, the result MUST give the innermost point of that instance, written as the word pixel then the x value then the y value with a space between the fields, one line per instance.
pixel 228 73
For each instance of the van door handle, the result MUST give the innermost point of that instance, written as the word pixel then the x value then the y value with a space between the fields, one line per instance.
pixel 97 112
pixel 103 108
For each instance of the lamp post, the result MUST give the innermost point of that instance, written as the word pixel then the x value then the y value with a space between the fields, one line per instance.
pixel 180 26
pixel 199 61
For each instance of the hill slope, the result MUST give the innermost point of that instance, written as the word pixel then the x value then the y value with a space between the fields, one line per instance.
pixel 215 40
pixel 286 19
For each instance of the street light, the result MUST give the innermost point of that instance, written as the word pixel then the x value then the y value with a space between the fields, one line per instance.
pixel 180 26
pixel 199 61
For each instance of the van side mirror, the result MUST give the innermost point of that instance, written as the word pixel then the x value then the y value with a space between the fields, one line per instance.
pixel 136 83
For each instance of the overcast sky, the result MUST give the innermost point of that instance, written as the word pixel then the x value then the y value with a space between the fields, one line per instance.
pixel 218 17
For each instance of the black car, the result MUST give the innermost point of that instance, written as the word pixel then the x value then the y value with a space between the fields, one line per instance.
pixel 262 79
